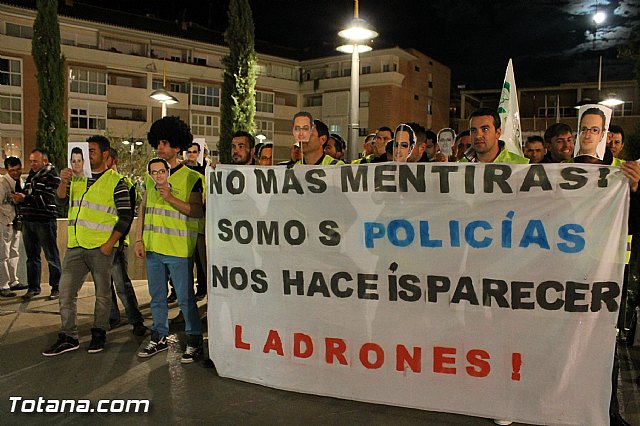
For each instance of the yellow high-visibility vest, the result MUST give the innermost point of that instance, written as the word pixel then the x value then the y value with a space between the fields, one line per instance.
pixel 166 230
pixel 93 212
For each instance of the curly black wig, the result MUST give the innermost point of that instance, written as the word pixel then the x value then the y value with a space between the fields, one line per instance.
pixel 170 129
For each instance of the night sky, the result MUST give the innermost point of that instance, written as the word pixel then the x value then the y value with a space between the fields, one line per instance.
pixel 550 41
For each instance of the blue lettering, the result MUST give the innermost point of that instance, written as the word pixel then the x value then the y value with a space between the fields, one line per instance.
pixel 425 240
pixel 568 233
pixel 372 231
pixel 454 233
pixel 395 226
pixel 470 237
pixel 535 234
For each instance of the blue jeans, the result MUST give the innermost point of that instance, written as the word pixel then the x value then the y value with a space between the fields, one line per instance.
pixel 181 269
pixel 124 289
pixel 38 236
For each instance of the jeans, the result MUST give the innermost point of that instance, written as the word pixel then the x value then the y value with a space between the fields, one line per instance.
pixel 78 262
pixel 9 255
pixel 37 236
pixel 181 269
pixel 124 289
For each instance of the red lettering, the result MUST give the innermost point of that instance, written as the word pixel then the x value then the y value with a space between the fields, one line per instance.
pixel 440 358
pixel 479 367
pixel 273 343
pixel 298 339
pixel 239 343
pixel 364 355
pixel 413 361
pixel 335 348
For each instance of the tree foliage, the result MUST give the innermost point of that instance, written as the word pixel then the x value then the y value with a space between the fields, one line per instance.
pixel 51 133
pixel 237 104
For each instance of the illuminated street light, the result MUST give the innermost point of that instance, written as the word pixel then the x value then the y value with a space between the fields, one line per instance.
pixel 358 32
pixel 162 95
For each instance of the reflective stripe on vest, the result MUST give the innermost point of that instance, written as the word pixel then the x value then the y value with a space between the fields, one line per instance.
pixel 629 238
pixel 93 212
pixel 166 230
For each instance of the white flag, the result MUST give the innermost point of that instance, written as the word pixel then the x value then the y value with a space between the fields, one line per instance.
pixel 510 113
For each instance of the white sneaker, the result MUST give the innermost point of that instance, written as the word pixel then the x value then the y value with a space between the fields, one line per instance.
pixel 502 422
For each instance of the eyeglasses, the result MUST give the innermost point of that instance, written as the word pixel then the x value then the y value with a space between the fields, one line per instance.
pixel 403 145
pixel 594 130
pixel 192 152
pixel 265 158
pixel 299 129
pixel 158 172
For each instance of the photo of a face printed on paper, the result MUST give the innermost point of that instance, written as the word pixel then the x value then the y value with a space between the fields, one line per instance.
pixel 194 155
pixel 593 122
pixel 159 170
pixel 446 137
pixel 78 155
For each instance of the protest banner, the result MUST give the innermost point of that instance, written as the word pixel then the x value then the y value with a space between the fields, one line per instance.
pixel 489 290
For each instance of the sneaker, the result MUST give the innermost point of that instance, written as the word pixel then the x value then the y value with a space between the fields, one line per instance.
pixel 153 347
pixel 64 344
pixel 5 292
pixel 98 338
pixel 200 295
pixel 502 422
pixel 191 353
pixel 19 286
pixel 30 295
pixel 172 297
pixel 193 350
pixel 139 329
pixel 54 295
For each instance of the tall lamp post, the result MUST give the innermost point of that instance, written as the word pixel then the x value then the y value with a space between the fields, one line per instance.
pixel 355 35
pixel 162 95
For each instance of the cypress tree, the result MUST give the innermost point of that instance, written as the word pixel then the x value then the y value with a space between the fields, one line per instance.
pixel 238 103
pixel 51 133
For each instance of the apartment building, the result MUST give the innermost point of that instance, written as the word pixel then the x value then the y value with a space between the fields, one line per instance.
pixel 112 68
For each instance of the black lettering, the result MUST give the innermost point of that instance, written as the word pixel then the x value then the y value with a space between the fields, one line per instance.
pixel 541 295
pixel 297 282
pixel 318 285
pixel 410 291
pixel 573 174
pixel 604 292
pixel 437 284
pixel 239 177
pixel 268 234
pixel 393 288
pixel 520 291
pixel 225 234
pixel 237 230
pixel 469 179
pixel 259 281
pixel 288 230
pixel 575 293
pixel 335 285
pixel 215 182
pixel 497 174
pixel 495 289
pixel 330 236
pixel 266 182
pixel 291 182
pixel 536 176
pixel 355 183
pixel 317 186
pixel 465 291
pixel 367 282
pixel 221 277
pixel 382 174
pixel 602 181
pixel 238 277
pixel 444 171
pixel 406 176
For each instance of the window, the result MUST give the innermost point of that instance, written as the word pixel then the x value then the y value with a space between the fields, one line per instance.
pixel 363 131
pixel 389 67
pixel 346 72
pixel 264 102
pixel 417 68
pixel 10 74
pixel 172 86
pixel 313 101
pixel 430 108
pixel 91 82
pixel 366 69
pixel 81 119
pixel 11 145
pixel 22 31
pixel 10 109
pixel 416 97
pixel 127 112
pixel 205 125
pixel 199 61
pixel 266 128
pixel 205 95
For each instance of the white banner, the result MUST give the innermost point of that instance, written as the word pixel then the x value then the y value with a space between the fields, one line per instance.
pixel 489 290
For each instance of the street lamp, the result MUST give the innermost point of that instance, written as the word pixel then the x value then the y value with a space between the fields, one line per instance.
pixel 355 35
pixel 162 95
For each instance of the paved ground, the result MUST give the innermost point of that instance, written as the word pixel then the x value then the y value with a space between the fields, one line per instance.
pixel 181 394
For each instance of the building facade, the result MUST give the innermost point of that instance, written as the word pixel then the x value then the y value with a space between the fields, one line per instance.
pixel 112 70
